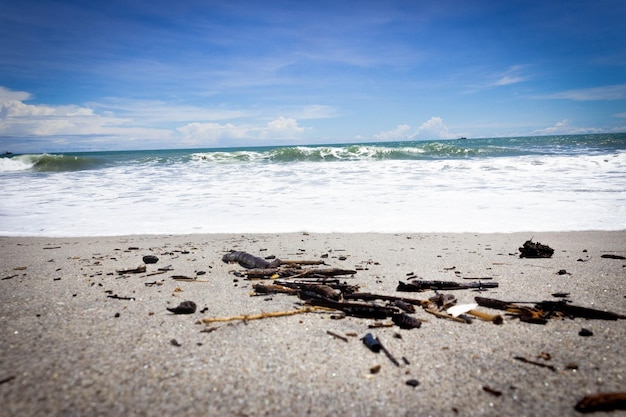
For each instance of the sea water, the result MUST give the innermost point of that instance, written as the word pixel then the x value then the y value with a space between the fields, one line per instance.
pixel 548 183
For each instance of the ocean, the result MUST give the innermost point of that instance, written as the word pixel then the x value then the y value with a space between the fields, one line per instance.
pixel 535 184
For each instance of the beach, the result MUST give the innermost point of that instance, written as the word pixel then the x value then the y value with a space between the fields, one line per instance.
pixel 81 339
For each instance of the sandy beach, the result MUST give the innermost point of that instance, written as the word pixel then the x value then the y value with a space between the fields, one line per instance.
pixel 80 339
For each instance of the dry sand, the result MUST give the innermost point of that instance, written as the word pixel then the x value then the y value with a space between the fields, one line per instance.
pixel 68 349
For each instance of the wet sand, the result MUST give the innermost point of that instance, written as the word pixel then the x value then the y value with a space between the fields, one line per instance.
pixel 79 339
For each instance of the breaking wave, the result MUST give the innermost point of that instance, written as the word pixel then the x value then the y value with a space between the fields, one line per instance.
pixel 47 163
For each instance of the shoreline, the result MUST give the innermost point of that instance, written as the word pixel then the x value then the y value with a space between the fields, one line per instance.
pixel 69 348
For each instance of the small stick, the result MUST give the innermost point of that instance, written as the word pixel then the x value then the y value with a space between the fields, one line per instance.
pixel 187 279
pixel 369 296
pixel 138 270
pixel 338 336
pixel 248 317
pixel 543 365
pixel 155 273
pixel 117 297
pixel 388 354
pixel 7 379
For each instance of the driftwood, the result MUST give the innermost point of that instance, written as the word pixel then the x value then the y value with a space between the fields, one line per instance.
pixel 370 296
pixel 301 262
pixel 535 250
pixel 544 310
pixel 298 273
pixel 363 310
pixel 333 283
pixel 248 317
pixel 261 289
pixel 577 311
pixel 611 256
pixel 604 401
pixel 140 269
pixel 419 286
pixel 524 313
pixel 261 272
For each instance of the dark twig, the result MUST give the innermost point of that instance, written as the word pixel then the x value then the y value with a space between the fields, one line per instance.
pixel 543 365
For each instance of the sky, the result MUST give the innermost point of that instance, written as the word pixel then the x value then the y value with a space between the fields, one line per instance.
pixel 135 74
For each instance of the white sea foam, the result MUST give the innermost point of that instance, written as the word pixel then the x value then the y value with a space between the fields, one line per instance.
pixel 505 194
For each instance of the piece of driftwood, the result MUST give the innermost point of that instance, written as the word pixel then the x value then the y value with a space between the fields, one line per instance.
pixel 184 278
pixel 337 336
pixel 370 296
pixel 419 286
pixel 293 273
pixel 405 321
pixel 542 365
pixel 262 289
pixel 331 289
pixel 532 249
pixel 333 283
pixel 524 313
pixel 363 310
pixel 611 256
pixel 297 262
pixel 604 401
pixel 262 273
pixel 249 317
pixel 544 310
pixel 140 269
pixel 574 311
pixel 324 272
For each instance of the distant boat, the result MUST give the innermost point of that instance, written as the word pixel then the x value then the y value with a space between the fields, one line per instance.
pixel 7 153
pixel 462 138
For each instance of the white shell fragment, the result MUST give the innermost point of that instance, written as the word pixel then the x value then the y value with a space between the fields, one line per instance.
pixel 457 310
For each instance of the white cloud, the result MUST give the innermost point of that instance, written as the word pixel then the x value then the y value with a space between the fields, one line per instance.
pixel 283 128
pixel 433 128
pixel 399 133
pixel 9 95
pixel 123 123
pixel 211 132
pixel 609 92
pixel 620 115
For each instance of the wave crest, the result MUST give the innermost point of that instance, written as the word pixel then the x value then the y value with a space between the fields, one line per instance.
pixel 46 163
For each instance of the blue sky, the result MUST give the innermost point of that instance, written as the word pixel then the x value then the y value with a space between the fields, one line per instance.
pixel 135 74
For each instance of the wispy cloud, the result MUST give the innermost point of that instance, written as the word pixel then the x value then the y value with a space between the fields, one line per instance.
pixel 609 92
pixel 565 127
pixel 515 74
